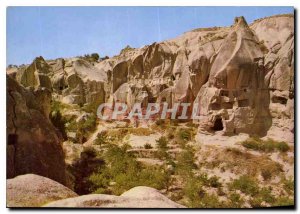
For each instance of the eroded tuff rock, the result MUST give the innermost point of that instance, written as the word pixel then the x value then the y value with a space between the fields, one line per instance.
pixel 137 197
pixel 236 94
pixel 33 191
pixel 242 76
pixel 33 145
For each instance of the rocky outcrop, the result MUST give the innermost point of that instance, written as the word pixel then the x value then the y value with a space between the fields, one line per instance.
pixel 137 197
pixel 34 191
pixel 31 190
pixel 35 75
pixel 241 76
pixel 236 95
pixel 33 145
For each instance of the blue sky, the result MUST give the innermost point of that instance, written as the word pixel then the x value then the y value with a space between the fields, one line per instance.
pixel 54 32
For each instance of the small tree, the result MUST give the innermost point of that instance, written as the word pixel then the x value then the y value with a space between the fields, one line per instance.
pixel 162 146
pixel 95 56
pixel 101 139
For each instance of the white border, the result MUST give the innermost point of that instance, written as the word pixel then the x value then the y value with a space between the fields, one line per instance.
pixel 5 3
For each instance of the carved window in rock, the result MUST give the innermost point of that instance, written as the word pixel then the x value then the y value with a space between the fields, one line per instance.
pixel 224 93
pixel 152 100
pixel 243 103
pixel 215 106
pixel 279 99
pixel 227 105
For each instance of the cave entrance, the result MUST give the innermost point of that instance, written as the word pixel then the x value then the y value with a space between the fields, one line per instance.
pixel 218 125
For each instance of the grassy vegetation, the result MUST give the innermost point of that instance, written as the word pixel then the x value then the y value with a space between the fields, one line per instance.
pixel 101 139
pixel 265 145
pixel 284 201
pixel 289 185
pixel 56 117
pixel 246 184
pixel 240 162
pixel 148 146
pixel 186 162
pixel 195 194
pixel 184 135
pixel 235 200
pixel 123 172
pixel 180 175
pixel 83 128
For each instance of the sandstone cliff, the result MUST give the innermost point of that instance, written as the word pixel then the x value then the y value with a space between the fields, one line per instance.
pixel 33 144
pixel 241 76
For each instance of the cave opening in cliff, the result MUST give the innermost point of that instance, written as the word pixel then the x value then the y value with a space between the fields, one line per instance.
pixel 218 125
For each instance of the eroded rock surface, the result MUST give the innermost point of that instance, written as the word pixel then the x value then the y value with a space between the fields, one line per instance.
pixel 137 197
pixel 33 191
pixel 33 144
pixel 242 76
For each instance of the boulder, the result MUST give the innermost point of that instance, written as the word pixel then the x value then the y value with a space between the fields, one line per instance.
pixel 32 190
pixel 137 197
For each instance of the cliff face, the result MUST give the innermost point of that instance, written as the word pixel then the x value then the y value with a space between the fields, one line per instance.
pixel 33 145
pixel 241 76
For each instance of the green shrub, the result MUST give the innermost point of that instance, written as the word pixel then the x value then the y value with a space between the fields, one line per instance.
pixel 191 124
pixel 266 195
pixel 101 139
pixel 140 131
pixel 185 134
pixel 282 146
pixel 88 163
pixel 186 161
pixel 284 201
pixel 148 146
pixel 235 201
pixel 162 143
pixel 268 145
pixel 214 182
pixel 289 185
pixel 162 148
pixel 59 122
pixel 266 174
pixel 196 195
pixel 246 184
pixel 126 172
pixel 255 202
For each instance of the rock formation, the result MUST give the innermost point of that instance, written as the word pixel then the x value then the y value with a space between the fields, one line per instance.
pixel 33 145
pixel 33 191
pixel 241 76
pixel 137 197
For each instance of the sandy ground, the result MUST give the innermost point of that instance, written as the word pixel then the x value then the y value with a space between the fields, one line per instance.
pixel 139 141
pixel 219 140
